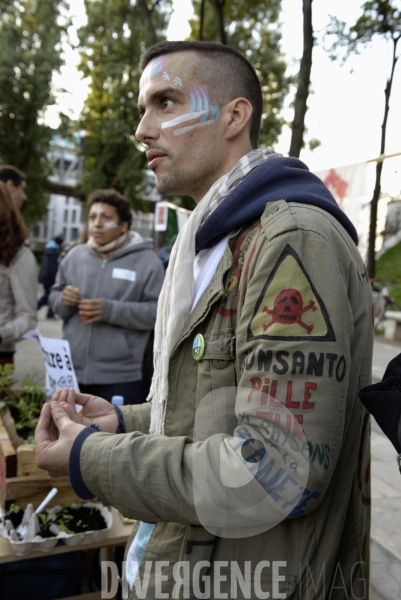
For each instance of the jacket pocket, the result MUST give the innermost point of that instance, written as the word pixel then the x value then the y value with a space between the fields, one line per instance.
pixel 110 344
pixel 216 369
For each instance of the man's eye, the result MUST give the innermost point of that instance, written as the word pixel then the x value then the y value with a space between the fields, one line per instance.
pixel 167 103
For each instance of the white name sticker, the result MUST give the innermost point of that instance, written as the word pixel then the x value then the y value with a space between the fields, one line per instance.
pixel 124 274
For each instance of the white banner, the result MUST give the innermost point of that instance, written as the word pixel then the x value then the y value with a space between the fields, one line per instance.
pixel 57 357
pixel 348 185
pixel 161 211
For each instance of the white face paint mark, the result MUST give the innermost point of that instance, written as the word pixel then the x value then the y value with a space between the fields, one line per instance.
pixel 191 127
pixel 111 225
pixel 96 208
pixel 145 77
pixel 183 118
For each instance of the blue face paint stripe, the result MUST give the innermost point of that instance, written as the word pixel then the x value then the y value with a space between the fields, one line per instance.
pixel 215 113
pixel 193 102
pixel 157 67
pixel 199 100
pixel 205 98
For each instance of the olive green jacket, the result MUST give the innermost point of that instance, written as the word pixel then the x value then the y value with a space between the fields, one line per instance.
pixel 287 320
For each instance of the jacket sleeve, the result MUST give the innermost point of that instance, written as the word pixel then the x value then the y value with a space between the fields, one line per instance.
pixel 23 280
pixel 136 417
pixel 140 316
pixel 55 298
pixel 293 405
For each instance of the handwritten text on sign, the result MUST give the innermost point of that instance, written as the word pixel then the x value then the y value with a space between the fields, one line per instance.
pixel 59 368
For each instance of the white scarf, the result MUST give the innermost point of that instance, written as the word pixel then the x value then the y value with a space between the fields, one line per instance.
pixel 114 245
pixel 177 293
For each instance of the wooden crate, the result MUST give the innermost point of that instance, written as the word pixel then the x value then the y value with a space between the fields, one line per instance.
pixel 21 480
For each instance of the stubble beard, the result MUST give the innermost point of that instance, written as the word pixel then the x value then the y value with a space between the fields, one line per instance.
pixel 193 182
pixel 172 183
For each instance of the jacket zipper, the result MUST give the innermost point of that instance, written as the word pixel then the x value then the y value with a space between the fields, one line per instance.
pixel 89 371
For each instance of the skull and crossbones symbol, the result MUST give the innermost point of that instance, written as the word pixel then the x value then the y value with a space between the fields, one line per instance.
pixel 288 309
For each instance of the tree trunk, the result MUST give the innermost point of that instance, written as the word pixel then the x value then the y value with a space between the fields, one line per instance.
pixel 219 7
pixel 201 19
pixel 148 17
pixel 379 169
pixel 301 98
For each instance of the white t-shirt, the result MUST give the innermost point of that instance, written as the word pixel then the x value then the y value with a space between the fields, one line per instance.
pixel 205 265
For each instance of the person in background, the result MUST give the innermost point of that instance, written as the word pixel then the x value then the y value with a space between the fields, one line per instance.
pixel 18 278
pixel 15 181
pixel 165 251
pixel 48 270
pixel 383 401
pixel 106 292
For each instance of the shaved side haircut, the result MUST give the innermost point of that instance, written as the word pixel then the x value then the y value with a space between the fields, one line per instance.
pixel 228 74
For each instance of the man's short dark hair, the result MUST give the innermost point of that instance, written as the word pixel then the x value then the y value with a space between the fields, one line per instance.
pixel 112 197
pixel 8 172
pixel 227 72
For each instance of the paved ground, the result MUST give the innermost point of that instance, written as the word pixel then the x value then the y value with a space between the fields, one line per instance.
pixel 386 480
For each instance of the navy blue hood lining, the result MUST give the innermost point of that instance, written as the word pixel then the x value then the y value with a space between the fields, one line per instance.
pixel 278 178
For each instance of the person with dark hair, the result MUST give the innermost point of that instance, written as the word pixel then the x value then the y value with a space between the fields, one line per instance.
pixel 165 251
pixel 48 270
pixel 249 468
pixel 17 278
pixel 383 401
pixel 106 293
pixel 15 181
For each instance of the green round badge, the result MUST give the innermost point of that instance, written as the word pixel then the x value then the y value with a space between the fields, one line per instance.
pixel 198 347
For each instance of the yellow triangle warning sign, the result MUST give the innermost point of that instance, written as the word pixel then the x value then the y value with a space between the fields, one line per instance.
pixel 289 306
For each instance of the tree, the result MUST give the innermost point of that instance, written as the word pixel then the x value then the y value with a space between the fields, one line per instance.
pixel 380 18
pixel 301 98
pixel 116 34
pixel 253 30
pixel 30 52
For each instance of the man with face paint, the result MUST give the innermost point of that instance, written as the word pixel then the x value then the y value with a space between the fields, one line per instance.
pixel 249 470
pixel 106 293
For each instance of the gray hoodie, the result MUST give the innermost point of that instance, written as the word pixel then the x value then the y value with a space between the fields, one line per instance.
pixel 110 350
pixel 18 298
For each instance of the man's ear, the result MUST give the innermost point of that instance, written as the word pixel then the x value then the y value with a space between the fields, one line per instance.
pixel 237 115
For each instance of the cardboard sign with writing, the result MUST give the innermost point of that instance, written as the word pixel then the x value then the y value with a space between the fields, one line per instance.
pixel 57 358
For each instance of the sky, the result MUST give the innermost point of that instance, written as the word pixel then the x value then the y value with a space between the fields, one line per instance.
pixel 346 104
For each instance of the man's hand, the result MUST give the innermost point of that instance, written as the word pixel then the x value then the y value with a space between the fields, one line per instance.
pixel 71 296
pixel 90 311
pixel 94 409
pixel 54 437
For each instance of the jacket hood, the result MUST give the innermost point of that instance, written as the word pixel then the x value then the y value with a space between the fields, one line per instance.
pixel 276 179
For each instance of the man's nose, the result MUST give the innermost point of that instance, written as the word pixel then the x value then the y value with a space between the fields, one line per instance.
pixel 147 129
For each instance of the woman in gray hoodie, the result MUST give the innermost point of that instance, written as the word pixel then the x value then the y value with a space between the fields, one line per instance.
pixel 18 276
